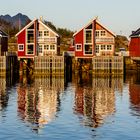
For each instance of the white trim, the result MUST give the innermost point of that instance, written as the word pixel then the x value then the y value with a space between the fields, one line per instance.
pixel 26 40
pixel 105 28
pixel 28 25
pixel 84 50
pixel 48 28
pixel 47 51
pixel 103 50
pixel 19 49
pixel 91 22
pixel 85 36
pixel 78 49
pixel 100 36
pixel 38 22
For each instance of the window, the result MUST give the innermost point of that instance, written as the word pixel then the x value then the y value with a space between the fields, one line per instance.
pixel 30 49
pixel 46 33
pixel 40 48
pixel 102 47
pixel 97 49
pixel 78 47
pixel 88 36
pixel 46 47
pixel 52 47
pixel 109 47
pixel 30 36
pixel 20 47
pixel 88 49
pixel 40 33
pixel 97 34
pixel 103 33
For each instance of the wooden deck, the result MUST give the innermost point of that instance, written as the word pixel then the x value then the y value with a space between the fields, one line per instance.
pixel 44 65
pixel 107 65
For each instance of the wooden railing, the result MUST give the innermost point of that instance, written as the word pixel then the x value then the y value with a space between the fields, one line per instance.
pixel 106 39
pixel 49 65
pixel 48 39
pixel 108 65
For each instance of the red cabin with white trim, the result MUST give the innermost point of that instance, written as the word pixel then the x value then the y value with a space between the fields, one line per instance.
pixel 37 39
pixel 93 40
pixel 134 46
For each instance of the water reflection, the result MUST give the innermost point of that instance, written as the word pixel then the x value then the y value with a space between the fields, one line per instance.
pixel 134 91
pixel 5 83
pixel 95 97
pixel 3 96
pixel 39 100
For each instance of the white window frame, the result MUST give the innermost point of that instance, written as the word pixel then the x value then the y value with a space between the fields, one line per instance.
pixel 40 31
pixel 26 49
pixel 85 36
pixel 40 49
pixel 97 48
pixel 100 35
pixel 110 47
pixel 97 33
pixel 102 31
pixel 80 47
pixel 20 50
pixel 47 33
pixel 54 47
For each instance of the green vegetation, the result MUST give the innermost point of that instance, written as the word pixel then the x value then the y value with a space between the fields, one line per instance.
pixel 121 42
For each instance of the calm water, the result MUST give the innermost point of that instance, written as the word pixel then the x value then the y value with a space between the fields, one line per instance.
pixel 81 108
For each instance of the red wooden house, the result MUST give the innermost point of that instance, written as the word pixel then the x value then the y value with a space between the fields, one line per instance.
pixel 134 46
pixel 35 39
pixel 93 40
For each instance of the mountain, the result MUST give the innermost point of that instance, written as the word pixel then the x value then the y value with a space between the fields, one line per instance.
pixel 18 20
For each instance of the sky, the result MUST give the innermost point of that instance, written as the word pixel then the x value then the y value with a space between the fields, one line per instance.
pixel 119 16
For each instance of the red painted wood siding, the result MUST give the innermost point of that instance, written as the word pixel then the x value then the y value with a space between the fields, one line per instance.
pixel 21 40
pixel 79 39
pixel 134 47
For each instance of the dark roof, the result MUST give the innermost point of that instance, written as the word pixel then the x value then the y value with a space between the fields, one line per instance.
pixel 135 33
pixel 3 34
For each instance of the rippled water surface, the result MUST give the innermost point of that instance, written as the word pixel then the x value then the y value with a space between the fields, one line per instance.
pixel 79 108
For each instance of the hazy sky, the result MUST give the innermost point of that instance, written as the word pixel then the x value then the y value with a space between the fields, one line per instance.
pixel 120 16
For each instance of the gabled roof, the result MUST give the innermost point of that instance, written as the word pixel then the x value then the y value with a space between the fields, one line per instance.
pixel 135 33
pixel 91 23
pixel 28 25
pixel 3 34
pixel 50 29
pixel 39 21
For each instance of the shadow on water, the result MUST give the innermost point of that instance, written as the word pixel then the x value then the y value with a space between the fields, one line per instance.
pixel 6 82
pixel 95 97
pixel 39 99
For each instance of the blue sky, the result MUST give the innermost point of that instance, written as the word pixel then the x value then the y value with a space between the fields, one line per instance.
pixel 120 16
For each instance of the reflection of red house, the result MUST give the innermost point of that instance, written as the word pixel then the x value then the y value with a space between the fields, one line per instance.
pixel 35 39
pixel 93 39
pixel 134 46
pixel 134 94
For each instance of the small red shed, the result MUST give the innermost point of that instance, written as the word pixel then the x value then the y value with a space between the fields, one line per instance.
pixel 134 46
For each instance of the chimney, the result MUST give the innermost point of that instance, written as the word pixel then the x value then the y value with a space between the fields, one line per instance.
pixel 41 18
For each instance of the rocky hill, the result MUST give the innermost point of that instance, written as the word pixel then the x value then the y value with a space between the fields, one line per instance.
pixel 18 20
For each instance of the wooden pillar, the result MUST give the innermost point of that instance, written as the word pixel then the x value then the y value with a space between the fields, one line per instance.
pixel 20 67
